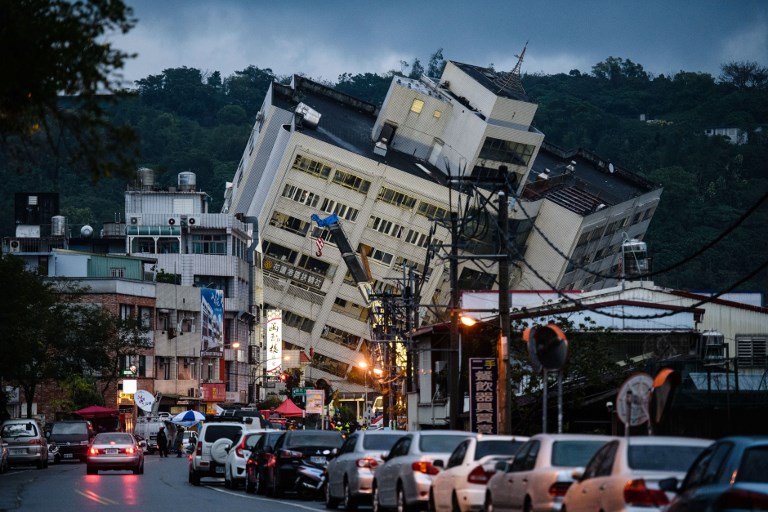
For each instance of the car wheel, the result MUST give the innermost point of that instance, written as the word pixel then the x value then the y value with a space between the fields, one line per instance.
pixel 91 471
pixel 488 504
pixel 259 484
pixel 227 478
pixel 250 486
pixel 527 507
pixel 431 503
pixel 141 468
pixel 330 501
pixel 375 503
pixel 402 505
pixel 350 502
pixel 455 504
pixel 194 478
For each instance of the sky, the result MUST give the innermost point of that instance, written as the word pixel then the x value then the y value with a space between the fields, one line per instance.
pixel 325 38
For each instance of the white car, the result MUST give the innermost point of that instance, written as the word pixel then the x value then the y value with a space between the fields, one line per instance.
pixel 461 485
pixel 210 452
pixel 350 471
pixel 403 481
pixel 237 456
pixel 624 474
pixel 540 473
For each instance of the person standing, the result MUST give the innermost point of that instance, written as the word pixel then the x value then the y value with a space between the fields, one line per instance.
pixel 162 442
pixel 178 441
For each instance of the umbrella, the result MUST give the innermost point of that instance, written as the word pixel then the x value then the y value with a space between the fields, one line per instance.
pixel 97 411
pixel 188 418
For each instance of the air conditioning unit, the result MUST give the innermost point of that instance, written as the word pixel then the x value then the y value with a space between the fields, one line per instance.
pixel 174 220
pixel 134 220
pixel 14 246
pixel 193 220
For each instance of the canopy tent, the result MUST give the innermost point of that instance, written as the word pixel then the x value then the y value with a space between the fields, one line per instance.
pixel 288 409
pixel 97 411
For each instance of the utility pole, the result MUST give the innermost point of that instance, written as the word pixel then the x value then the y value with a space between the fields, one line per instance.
pixel 505 345
pixel 456 400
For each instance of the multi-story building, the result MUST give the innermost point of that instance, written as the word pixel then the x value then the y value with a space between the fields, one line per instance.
pixel 389 174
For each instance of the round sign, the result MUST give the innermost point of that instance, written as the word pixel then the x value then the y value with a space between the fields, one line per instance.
pixel 144 400
pixel 633 399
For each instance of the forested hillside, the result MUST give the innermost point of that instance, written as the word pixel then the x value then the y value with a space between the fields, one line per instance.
pixel 187 121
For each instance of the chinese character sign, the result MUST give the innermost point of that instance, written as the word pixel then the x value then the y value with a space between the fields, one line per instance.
pixel 212 316
pixel 274 341
pixel 483 391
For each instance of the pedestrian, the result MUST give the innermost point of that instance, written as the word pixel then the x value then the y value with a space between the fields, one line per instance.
pixel 178 441
pixel 162 442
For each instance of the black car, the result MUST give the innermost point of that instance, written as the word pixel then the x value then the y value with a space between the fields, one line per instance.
pixel 731 474
pixel 71 438
pixel 257 463
pixel 291 448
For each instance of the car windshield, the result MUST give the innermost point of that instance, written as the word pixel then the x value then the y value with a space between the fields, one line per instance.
pixel 574 453
pixel 754 465
pixel 113 438
pixel 440 444
pixel 380 442
pixel 316 438
pixel 496 448
pixel 663 457
pixel 19 430
pixel 216 432
pixel 69 428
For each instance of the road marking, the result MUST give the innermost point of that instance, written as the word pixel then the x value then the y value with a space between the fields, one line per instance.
pixel 95 497
pixel 270 500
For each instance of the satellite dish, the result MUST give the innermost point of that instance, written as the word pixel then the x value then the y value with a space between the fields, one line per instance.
pixel 86 231
pixel 144 400
pixel 611 168
pixel 632 401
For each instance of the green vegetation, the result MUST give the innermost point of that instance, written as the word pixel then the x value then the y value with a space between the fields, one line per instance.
pixel 187 120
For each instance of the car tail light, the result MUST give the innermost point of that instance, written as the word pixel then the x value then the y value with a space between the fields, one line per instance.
pixel 270 460
pixel 743 499
pixel 479 476
pixel 239 449
pixel 130 450
pixel 290 454
pixel 249 462
pixel 35 441
pixel 636 493
pixel 93 451
pixel 199 448
pixel 425 467
pixel 558 489
pixel 367 463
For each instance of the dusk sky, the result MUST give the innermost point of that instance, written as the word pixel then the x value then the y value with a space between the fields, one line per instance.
pixel 325 38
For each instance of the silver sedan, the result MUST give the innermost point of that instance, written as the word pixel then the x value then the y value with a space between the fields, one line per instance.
pixel 115 450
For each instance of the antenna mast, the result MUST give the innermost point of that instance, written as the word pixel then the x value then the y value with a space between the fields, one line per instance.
pixel 512 79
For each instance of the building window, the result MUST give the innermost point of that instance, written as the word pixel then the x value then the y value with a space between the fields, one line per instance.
pixel 291 224
pixel 376 254
pixel 416 238
pixel 343 211
pixel 126 311
pixel 209 244
pixel 145 317
pixel 437 114
pixel 143 245
pixel 506 151
pixel 167 245
pixel 431 211
pixel 312 166
pixel 417 106
pixel 385 226
pixel 300 195
pixel 117 271
pixel 751 351
pixel 396 198
pixel 349 180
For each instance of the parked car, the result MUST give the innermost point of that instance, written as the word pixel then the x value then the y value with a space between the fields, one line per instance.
pixel 261 458
pixel 731 474
pixel 624 473
pixel 291 448
pixel 540 473
pixel 26 442
pixel 114 451
pixel 403 481
pixel 210 453
pixel 72 438
pixel 237 455
pixel 350 471
pixel 188 441
pixel 460 486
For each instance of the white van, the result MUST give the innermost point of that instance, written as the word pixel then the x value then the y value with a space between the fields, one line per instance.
pixel 147 427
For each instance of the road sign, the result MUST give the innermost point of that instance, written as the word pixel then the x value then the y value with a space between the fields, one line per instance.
pixel 299 392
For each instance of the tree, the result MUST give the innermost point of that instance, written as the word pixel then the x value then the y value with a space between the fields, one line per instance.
pixel 436 64
pixel 54 49
pixel 744 75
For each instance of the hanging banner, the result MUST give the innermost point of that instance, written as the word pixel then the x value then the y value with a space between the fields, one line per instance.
pixel 274 342
pixel 212 321
pixel 483 393
pixel 315 398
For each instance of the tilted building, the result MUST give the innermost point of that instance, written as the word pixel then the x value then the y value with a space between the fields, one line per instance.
pixel 392 175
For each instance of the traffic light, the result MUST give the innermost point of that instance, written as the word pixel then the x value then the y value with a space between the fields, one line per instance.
pixel 283 377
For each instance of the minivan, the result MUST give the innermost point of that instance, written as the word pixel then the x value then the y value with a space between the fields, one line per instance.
pixel 72 438
pixel 26 442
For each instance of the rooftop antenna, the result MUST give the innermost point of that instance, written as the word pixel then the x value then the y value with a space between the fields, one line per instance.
pixel 512 79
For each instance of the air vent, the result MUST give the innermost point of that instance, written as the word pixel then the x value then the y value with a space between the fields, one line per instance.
pixel 14 246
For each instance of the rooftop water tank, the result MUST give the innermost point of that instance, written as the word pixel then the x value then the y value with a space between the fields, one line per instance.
pixel 58 225
pixel 146 178
pixel 187 181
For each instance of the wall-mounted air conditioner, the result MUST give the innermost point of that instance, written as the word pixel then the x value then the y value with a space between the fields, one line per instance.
pixel 134 220
pixel 174 220
pixel 14 246
pixel 193 220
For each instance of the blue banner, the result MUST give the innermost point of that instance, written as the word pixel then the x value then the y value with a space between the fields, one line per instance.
pixel 212 315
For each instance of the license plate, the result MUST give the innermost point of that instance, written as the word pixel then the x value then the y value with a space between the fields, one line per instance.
pixel 220 469
pixel 17 451
pixel 111 451
pixel 317 460
pixel 68 455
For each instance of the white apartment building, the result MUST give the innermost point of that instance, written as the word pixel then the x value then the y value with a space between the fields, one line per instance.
pixel 385 172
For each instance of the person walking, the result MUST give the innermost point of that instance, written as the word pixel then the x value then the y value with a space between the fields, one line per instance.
pixel 162 442
pixel 178 441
